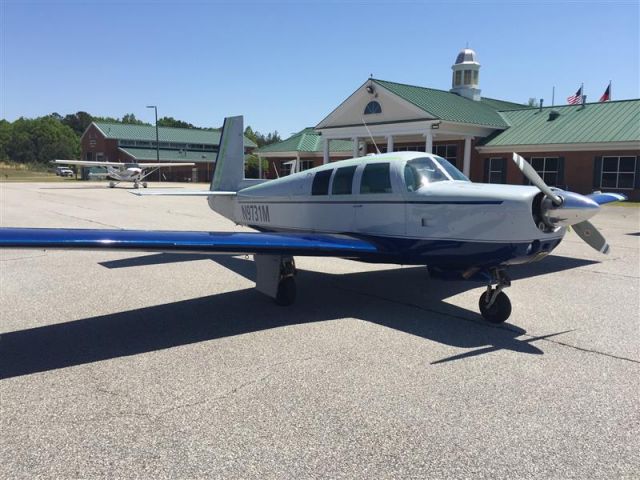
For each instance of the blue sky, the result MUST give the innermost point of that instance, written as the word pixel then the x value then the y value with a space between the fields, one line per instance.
pixel 285 65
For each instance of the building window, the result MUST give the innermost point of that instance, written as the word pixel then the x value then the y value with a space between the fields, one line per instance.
pixel 372 107
pixel 320 184
pixel 449 151
pixel 412 147
pixel 458 78
pixel 285 169
pixel 618 172
pixel 467 77
pixel 342 181
pixel 376 178
pixel 548 168
pixel 306 164
pixel 496 170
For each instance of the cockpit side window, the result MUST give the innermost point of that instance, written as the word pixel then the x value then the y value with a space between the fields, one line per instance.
pixel 342 181
pixel 320 184
pixel 376 178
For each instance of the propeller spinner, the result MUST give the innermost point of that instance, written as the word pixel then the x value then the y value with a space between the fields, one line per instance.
pixel 559 208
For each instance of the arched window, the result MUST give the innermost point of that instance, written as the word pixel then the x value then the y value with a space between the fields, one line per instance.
pixel 372 107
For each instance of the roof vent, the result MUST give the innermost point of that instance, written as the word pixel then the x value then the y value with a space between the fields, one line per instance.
pixel 553 114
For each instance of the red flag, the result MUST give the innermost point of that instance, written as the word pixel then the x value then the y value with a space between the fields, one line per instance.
pixel 606 96
pixel 575 99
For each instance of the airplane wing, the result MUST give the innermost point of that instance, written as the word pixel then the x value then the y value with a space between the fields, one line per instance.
pixel 184 193
pixel 164 164
pixel 601 197
pixel 88 163
pixel 301 244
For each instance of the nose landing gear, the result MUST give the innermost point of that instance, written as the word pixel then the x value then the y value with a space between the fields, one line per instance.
pixel 495 306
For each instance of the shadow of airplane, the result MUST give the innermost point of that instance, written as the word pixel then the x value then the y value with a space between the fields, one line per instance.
pixel 104 187
pixel 403 299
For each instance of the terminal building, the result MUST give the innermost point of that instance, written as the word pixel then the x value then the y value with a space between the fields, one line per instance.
pixel 584 147
pixel 128 143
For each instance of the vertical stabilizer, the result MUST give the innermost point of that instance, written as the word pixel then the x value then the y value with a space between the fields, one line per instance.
pixel 229 169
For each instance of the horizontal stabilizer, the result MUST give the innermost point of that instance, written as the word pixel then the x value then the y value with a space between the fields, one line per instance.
pixel 602 198
pixel 194 242
pixel 182 193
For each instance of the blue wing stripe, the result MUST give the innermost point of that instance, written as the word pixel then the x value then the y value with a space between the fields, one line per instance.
pixel 223 242
pixel 602 198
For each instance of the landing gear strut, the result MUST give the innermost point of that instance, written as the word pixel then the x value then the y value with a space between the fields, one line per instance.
pixel 275 277
pixel 495 306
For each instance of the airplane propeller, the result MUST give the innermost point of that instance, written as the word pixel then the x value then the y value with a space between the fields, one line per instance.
pixel 569 209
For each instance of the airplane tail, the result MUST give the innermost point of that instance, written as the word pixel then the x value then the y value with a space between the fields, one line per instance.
pixel 229 168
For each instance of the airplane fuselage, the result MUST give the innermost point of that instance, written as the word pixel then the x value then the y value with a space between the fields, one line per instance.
pixel 449 222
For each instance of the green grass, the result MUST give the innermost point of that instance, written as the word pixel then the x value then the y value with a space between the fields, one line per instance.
pixel 15 172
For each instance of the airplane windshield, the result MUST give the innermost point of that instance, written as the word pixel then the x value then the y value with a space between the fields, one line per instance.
pixel 453 172
pixel 420 172
pixel 130 165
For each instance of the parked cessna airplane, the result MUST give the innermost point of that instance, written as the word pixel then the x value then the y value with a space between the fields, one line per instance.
pixel 126 172
pixel 410 208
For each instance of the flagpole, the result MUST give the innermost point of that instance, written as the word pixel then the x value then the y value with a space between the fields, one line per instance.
pixel 582 92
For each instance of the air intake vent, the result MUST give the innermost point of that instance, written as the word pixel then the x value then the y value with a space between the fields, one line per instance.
pixel 553 114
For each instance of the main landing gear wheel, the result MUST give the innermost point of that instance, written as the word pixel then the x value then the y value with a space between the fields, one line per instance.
pixel 498 311
pixel 286 292
pixel 144 184
pixel 495 306
pixel 136 185
pixel 112 184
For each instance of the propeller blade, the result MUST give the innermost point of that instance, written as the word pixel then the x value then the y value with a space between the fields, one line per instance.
pixel 590 234
pixel 534 178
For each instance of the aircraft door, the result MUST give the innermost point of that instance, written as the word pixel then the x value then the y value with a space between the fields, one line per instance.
pixel 379 208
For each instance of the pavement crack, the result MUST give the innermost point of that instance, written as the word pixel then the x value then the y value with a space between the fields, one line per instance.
pixel 84 219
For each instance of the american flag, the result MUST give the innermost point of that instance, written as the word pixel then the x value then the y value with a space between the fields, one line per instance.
pixel 575 99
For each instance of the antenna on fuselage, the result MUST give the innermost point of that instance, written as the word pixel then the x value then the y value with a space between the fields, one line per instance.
pixel 370 136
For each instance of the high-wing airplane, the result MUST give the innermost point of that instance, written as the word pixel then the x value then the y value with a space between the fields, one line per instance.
pixel 126 172
pixel 410 208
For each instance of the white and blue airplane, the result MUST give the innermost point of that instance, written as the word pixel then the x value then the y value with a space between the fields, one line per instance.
pixel 410 208
pixel 125 172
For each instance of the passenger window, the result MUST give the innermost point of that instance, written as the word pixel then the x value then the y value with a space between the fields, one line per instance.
pixel 376 178
pixel 343 180
pixel 321 183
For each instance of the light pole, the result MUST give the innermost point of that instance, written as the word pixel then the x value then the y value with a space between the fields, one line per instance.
pixel 155 108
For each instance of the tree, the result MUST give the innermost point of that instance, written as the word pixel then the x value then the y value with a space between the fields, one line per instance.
pixel 251 166
pixel 260 139
pixel 131 119
pixel 5 137
pixel 78 121
pixel 41 140
pixel 172 122
pixel 533 102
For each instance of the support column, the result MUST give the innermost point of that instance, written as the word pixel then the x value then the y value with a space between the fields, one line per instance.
pixel 325 150
pixel 428 144
pixel 356 144
pixel 389 143
pixel 466 166
pixel 297 162
pixel 259 167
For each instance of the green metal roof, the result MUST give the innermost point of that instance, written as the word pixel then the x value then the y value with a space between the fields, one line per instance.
pixel 449 106
pixel 502 104
pixel 149 154
pixel 595 122
pixel 307 140
pixel 126 131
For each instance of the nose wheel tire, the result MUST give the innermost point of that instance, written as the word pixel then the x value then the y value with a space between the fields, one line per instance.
pixel 286 292
pixel 498 311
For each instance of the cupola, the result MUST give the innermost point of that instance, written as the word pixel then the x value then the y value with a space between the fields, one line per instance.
pixel 466 73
